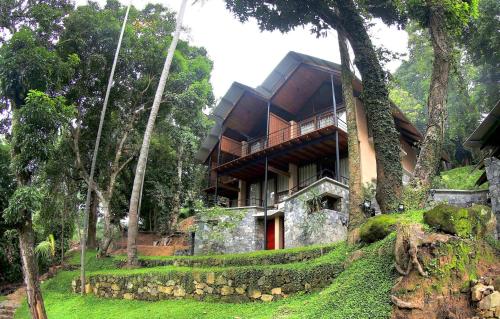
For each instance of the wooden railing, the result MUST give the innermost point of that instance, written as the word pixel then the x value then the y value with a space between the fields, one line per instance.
pixel 232 149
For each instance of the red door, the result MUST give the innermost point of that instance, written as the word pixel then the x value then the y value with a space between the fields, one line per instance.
pixel 270 234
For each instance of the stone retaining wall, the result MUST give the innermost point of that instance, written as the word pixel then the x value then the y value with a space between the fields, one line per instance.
pixel 236 285
pixel 463 198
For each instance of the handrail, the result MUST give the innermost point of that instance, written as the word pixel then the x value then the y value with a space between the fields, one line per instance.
pixel 282 135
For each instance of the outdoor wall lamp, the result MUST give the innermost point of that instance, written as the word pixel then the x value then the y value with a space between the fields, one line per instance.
pixel 401 208
pixel 367 208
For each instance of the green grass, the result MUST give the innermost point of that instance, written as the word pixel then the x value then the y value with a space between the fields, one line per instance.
pixel 2 298
pixel 336 256
pixel 463 178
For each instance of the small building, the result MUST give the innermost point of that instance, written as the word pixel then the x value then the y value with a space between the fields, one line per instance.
pixel 486 139
pixel 291 132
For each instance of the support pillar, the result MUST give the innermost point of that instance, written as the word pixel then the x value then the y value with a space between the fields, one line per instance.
pixel 265 177
pixel 242 194
pixel 293 179
pixel 336 121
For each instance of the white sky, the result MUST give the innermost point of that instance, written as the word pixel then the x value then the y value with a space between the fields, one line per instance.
pixel 242 53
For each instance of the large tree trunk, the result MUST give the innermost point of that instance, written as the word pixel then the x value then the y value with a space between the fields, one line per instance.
pixel 133 220
pixel 108 231
pixel 176 202
pixel 432 146
pixel 30 270
pixel 356 215
pixel 92 230
pixel 375 98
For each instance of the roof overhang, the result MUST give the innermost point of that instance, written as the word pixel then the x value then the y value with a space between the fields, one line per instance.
pixel 484 135
pixel 269 89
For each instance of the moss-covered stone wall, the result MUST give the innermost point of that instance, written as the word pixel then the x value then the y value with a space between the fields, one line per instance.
pixel 234 284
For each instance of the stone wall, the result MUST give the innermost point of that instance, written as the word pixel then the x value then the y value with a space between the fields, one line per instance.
pixel 303 227
pixel 244 238
pixel 463 198
pixel 236 284
pixel 492 167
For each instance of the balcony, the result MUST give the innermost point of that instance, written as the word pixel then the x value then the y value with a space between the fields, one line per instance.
pixel 281 132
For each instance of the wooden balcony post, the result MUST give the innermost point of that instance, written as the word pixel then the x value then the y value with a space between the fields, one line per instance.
pixel 244 148
pixel 293 129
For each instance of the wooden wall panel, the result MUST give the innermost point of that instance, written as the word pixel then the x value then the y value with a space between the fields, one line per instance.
pixel 279 130
pixel 230 146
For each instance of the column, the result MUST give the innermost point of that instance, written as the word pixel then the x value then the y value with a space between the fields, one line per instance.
pixel 242 194
pixel 293 179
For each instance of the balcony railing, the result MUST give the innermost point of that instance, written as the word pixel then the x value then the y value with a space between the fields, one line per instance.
pixel 231 149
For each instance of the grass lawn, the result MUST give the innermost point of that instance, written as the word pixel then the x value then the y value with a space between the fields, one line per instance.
pixel 463 178
pixel 2 298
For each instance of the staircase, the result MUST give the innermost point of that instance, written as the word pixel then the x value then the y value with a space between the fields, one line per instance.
pixel 8 307
pixel 7 310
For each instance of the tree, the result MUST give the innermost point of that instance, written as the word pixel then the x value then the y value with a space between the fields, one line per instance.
pixel 28 62
pixel 345 16
pixel 87 33
pixel 356 215
pixel 35 130
pixel 444 20
pixel 143 155
pixel 466 99
pixel 90 180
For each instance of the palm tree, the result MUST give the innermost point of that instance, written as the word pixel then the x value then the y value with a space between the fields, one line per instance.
pixel 133 216
pixel 94 156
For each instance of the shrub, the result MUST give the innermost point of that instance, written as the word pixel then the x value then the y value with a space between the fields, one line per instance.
pixel 378 227
pixel 463 222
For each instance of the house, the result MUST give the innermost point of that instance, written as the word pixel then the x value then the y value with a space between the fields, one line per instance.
pixel 291 132
pixel 486 138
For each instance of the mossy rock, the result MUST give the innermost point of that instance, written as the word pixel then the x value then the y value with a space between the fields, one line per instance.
pixel 377 228
pixel 469 222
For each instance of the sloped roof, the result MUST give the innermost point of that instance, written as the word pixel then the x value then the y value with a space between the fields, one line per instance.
pixel 267 90
pixel 481 137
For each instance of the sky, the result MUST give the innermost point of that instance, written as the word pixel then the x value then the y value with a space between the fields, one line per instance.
pixel 242 53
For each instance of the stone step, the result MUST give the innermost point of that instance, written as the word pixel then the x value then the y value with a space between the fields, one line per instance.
pixel 5 316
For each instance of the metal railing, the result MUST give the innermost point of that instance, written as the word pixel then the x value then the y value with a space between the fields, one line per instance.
pixel 294 130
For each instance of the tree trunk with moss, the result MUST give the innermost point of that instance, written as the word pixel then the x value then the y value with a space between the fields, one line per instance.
pixel 356 215
pixel 432 146
pixel 375 98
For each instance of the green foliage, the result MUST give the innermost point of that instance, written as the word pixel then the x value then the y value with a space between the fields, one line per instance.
pixel 414 197
pixel 378 227
pixel 46 249
pixel 463 222
pixel 26 64
pixel 25 201
pixel 368 190
pixel 463 178
pixel 482 43
pixel 37 126
pixel 262 257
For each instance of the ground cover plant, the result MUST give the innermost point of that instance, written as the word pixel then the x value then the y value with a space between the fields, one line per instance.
pixel 462 178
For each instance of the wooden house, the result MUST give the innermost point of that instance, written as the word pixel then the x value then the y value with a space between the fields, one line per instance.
pixel 274 145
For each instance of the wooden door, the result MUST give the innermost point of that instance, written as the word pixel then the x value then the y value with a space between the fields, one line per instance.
pixel 270 235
